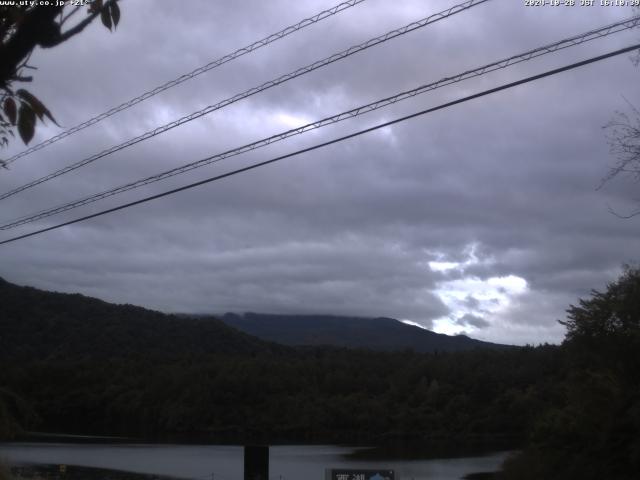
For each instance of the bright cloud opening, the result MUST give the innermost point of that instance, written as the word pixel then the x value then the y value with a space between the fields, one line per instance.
pixel 290 121
pixel 414 324
pixel 473 301
pixel 443 266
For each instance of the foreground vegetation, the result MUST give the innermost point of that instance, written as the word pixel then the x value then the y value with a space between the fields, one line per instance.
pixel 576 407
pixel 5 472
pixel 592 429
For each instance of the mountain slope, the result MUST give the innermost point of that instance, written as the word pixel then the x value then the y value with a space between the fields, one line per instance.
pixel 35 324
pixel 352 332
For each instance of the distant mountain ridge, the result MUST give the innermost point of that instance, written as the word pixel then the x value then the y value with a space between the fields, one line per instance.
pixel 37 324
pixel 41 325
pixel 383 334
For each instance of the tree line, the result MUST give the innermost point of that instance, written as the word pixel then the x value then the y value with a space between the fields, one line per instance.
pixel 574 409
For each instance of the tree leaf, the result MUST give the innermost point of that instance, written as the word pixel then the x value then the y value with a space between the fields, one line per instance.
pixel 105 16
pixel 11 110
pixel 36 105
pixel 26 122
pixel 115 14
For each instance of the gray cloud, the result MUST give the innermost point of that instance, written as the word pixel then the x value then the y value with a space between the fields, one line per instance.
pixel 470 320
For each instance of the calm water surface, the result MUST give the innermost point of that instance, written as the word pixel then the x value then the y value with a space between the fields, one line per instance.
pixel 226 462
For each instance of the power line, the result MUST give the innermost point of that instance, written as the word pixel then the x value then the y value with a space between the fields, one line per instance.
pixel 331 142
pixel 513 60
pixel 252 91
pixel 188 76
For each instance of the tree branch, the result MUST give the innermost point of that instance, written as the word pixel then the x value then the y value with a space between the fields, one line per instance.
pixel 624 217
pixel 83 24
pixel 37 27
pixel 69 15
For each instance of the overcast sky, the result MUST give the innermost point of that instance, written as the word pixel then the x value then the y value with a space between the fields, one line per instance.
pixel 484 218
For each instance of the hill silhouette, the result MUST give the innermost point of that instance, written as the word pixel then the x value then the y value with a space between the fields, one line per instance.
pixel 382 334
pixel 36 324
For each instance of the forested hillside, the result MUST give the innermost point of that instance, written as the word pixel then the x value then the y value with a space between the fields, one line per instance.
pixel 575 407
pixel 314 395
pixel 39 325
pixel 81 365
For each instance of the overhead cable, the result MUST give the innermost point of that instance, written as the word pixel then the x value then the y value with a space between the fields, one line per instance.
pixel 513 60
pixel 188 76
pixel 252 91
pixel 330 142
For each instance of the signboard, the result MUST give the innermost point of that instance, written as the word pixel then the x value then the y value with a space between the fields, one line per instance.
pixel 349 474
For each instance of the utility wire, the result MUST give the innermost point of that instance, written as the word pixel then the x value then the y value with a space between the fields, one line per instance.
pixel 252 91
pixel 188 76
pixel 331 142
pixel 513 60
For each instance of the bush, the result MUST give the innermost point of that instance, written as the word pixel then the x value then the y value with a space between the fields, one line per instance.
pixel 5 472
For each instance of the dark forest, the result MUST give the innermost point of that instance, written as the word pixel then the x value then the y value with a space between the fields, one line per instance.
pixel 74 364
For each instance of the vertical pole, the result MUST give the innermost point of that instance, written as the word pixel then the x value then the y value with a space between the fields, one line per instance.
pixel 256 462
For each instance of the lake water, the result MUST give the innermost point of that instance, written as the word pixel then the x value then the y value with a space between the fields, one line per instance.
pixel 207 462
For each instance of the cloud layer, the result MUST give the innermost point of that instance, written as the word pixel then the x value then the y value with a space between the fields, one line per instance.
pixel 482 218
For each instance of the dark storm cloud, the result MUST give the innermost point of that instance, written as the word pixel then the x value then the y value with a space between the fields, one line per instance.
pixel 473 321
pixel 504 186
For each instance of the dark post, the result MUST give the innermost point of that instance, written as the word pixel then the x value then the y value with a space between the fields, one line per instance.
pixel 256 462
